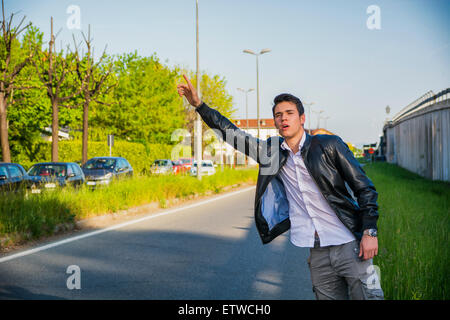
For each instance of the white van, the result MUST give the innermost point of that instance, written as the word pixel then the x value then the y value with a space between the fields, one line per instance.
pixel 208 168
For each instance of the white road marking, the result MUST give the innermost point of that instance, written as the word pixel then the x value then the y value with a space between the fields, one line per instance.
pixel 118 226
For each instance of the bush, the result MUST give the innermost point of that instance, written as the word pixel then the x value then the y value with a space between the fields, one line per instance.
pixel 139 155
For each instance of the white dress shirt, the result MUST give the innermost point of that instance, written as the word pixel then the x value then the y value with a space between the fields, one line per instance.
pixel 308 209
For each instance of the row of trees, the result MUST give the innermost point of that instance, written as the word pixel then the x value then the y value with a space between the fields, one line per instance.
pixel 127 95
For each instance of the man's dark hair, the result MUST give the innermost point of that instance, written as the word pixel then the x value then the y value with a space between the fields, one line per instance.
pixel 289 98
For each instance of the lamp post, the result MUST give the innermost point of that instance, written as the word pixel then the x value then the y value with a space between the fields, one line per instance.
pixel 257 79
pixel 246 108
pixel 318 117
pixel 198 122
pixel 246 103
pixel 325 118
pixel 309 115
pixel 388 110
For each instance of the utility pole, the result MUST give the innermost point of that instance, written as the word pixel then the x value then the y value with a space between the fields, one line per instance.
pixel 198 122
pixel 318 117
pixel 246 109
pixel 257 79
pixel 325 118
pixel 309 115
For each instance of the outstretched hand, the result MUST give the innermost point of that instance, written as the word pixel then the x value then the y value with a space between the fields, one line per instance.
pixel 189 92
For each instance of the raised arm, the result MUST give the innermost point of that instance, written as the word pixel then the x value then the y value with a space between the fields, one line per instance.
pixel 237 138
pixel 188 90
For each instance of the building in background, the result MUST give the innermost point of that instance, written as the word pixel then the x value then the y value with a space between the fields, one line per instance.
pixel 232 157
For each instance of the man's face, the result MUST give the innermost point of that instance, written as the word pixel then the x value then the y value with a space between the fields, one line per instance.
pixel 287 119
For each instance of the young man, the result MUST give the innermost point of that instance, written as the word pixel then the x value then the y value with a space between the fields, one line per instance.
pixel 305 184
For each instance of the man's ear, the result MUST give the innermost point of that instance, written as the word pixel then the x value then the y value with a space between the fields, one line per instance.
pixel 302 119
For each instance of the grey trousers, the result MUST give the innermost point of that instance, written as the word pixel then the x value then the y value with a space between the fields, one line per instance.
pixel 337 273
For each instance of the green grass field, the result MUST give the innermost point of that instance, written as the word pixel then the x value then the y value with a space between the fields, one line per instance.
pixel 413 233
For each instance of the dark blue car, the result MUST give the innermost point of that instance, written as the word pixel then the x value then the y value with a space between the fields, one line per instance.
pixel 12 177
pixel 50 175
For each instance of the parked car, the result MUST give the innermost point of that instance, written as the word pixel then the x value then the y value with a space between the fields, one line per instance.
pixel 208 168
pixel 162 166
pixel 179 168
pixel 12 177
pixel 187 163
pixel 102 170
pixel 50 175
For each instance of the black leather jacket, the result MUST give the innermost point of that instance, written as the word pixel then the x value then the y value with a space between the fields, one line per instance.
pixel 331 164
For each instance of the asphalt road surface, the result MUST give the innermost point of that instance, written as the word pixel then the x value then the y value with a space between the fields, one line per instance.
pixel 210 250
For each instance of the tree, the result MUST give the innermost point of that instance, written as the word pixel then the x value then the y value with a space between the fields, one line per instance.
pixel 28 110
pixel 94 84
pixel 12 63
pixel 145 105
pixel 57 77
pixel 214 94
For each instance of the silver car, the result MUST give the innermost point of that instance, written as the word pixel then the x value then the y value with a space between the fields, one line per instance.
pixel 162 166
pixel 208 168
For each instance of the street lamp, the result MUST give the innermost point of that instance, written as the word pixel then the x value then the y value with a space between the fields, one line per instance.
pixel 198 122
pixel 309 114
pixel 325 118
pixel 257 79
pixel 388 110
pixel 246 108
pixel 246 103
pixel 318 117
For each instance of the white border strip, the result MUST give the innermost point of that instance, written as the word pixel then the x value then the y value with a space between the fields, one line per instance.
pixel 118 226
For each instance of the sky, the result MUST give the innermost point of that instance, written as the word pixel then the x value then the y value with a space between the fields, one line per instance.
pixel 348 59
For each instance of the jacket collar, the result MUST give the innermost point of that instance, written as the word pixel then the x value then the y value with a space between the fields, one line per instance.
pixel 285 146
pixel 304 144
pixel 307 142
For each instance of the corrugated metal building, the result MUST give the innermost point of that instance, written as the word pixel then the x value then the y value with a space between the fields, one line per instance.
pixel 418 137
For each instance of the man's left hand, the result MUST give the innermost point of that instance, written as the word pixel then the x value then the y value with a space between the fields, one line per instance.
pixel 368 248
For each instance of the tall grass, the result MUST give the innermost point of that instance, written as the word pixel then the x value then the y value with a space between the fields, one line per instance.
pixel 34 215
pixel 413 237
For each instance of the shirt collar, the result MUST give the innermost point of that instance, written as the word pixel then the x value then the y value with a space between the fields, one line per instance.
pixel 285 146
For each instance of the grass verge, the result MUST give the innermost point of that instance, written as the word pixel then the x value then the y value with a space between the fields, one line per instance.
pixel 29 217
pixel 413 233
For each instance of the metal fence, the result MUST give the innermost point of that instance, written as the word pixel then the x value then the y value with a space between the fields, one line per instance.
pixel 418 137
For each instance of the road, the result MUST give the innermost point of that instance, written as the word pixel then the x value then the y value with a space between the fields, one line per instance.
pixel 207 251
